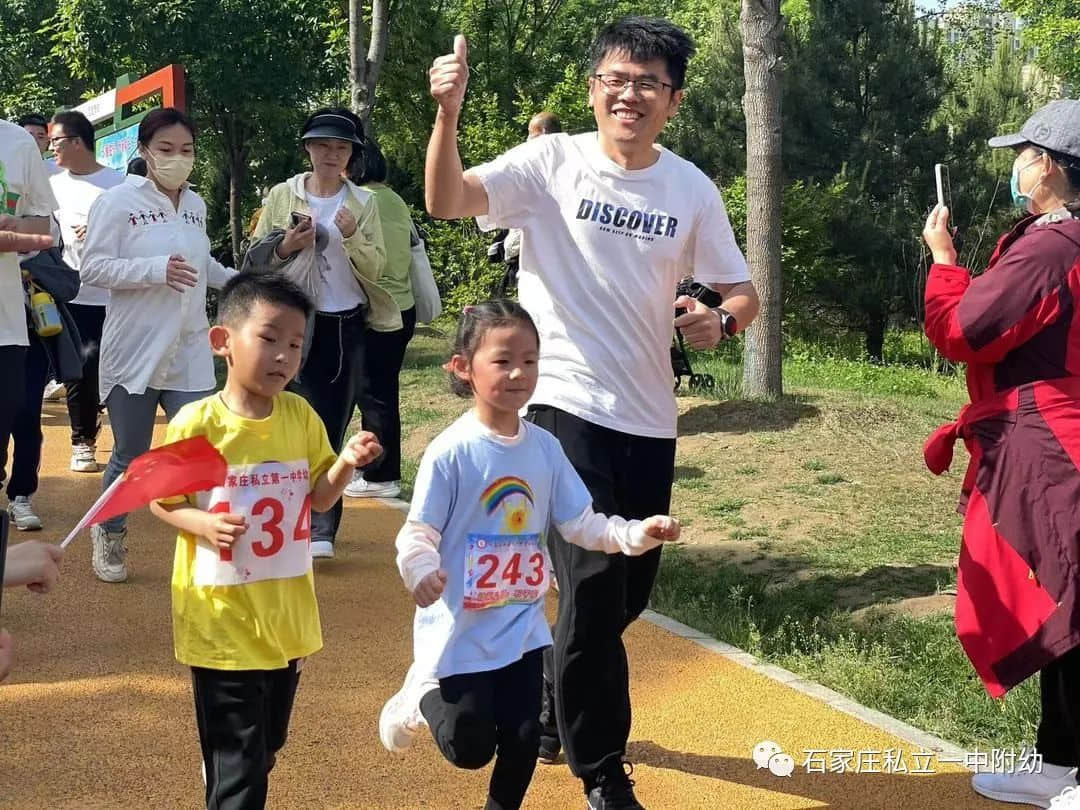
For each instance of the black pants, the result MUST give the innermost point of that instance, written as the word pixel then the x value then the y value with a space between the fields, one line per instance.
pixel 1058 739
pixel 380 405
pixel 24 428
pixel 13 383
pixel 243 720
pixel 601 594
pixel 332 380
pixel 84 408
pixel 483 714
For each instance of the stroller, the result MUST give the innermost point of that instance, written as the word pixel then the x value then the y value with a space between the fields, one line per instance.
pixel 680 359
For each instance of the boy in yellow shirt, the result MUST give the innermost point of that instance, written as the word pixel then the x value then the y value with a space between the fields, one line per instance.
pixel 244 609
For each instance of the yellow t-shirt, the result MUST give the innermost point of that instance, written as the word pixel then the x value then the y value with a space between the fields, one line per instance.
pixel 254 606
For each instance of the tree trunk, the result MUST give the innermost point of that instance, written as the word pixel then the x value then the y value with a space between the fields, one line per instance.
pixel 366 59
pixel 237 177
pixel 761 25
pixel 234 139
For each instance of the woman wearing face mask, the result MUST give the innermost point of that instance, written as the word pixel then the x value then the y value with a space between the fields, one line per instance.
pixel 146 243
pixel 1017 326
pixel 350 299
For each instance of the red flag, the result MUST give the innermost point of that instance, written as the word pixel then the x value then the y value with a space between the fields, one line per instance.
pixel 187 466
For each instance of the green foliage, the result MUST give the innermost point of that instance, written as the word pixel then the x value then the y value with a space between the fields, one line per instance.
pixel 32 80
pixel 1053 27
pixel 458 254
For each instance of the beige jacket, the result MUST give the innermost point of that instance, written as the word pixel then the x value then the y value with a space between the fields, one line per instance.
pixel 366 250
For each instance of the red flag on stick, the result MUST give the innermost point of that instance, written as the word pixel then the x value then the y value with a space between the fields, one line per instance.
pixel 187 466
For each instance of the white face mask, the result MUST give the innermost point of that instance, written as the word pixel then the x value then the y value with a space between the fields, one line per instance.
pixel 171 171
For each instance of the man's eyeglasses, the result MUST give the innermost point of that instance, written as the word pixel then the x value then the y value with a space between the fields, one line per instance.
pixel 54 141
pixel 613 84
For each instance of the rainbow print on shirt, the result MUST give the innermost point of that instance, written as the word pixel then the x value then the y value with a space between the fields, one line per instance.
pixel 515 497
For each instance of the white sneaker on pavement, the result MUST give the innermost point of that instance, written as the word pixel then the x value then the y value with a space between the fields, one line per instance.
pixel 1068 799
pixel 1038 789
pixel 84 458
pixel 110 554
pixel 54 391
pixel 400 719
pixel 22 514
pixel 360 487
pixel 322 550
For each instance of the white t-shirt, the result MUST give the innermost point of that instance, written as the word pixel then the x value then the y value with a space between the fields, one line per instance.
pixel 484 493
pixel 340 290
pixel 603 249
pixel 75 193
pixel 24 192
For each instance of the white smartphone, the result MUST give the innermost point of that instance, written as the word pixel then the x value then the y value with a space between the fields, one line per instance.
pixel 944 188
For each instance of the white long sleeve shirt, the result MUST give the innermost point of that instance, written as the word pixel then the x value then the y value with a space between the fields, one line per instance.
pixel 154 336
pixel 481 511
pixel 418 543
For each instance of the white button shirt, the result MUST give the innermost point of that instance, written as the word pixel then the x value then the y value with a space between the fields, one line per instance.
pixel 154 336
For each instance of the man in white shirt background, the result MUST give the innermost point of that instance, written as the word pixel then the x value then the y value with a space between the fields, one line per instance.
pixel 38 126
pixel 26 206
pixel 79 182
pixel 611 222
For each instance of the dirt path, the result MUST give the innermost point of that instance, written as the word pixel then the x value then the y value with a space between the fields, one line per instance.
pixel 99 715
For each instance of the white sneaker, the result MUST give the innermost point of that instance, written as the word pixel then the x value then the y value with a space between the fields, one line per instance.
pixel 110 554
pixel 84 458
pixel 400 719
pixel 360 487
pixel 22 514
pixel 1037 789
pixel 54 391
pixel 1068 799
pixel 322 550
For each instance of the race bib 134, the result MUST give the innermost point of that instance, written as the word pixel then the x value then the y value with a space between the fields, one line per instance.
pixel 274 497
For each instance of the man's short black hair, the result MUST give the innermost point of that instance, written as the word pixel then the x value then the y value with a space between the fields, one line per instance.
pixel 644 39
pixel 77 124
pixel 240 294
pixel 33 120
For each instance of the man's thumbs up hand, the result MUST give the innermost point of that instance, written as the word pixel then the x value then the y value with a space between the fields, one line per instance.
pixel 449 77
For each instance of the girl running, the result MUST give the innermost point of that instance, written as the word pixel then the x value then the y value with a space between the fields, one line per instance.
pixel 473 553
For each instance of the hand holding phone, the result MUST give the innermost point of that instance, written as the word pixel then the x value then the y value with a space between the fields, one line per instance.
pixel 299 235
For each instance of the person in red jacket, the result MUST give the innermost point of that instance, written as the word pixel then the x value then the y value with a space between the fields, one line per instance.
pixel 1017 326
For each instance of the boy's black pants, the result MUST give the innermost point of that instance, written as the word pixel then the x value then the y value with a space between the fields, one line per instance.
pixel 243 719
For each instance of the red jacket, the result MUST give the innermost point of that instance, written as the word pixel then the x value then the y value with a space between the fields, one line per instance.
pixel 1018 329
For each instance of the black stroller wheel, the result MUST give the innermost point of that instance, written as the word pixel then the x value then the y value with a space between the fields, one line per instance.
pixel 709 382
pixel 695 382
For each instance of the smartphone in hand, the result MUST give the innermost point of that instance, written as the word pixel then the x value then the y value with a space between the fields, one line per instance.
pixel 944 186
pixel 296 218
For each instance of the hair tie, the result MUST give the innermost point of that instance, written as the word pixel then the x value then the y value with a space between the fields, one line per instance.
pixel 467 310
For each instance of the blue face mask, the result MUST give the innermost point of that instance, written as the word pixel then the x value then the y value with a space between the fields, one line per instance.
pixel 1021 200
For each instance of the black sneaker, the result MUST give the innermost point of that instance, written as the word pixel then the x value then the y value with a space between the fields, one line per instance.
pixel 614 789
pixel 550 746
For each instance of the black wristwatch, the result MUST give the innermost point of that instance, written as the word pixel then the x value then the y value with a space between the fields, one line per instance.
pixel 727 321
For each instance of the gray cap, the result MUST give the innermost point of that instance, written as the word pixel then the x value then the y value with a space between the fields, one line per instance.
pixel 1055 127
